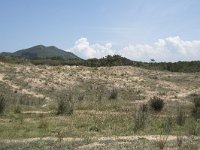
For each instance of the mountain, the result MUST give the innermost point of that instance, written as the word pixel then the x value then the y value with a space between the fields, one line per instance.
pixel 41 51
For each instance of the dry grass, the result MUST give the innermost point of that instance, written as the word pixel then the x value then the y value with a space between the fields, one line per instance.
pixel 36 91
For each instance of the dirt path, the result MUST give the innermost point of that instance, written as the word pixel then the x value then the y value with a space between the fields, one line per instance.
pixel 79 112
pixel 100 139
pixel 99 112
pixel 184 94
pixel 92 145
pixel 36 112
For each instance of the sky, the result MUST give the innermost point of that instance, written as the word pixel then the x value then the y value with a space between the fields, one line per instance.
pixel 166 30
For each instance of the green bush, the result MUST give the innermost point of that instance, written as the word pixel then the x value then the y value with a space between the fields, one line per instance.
pixel 156 104
pixel 2 104
pixel 65 105
pixel 167 125
pixel 194 127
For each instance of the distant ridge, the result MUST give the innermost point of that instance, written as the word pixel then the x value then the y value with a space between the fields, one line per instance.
pixel 41 51
pixel 52 56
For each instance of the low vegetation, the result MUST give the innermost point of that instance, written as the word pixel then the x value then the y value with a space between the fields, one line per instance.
pixel 140 117
pixel 180 116
pixel 156 104
pixel 179 140
pixel 17 109
pixel 162 141
pixel 55 107
pixel 65 105
pixel 2 104
pixel 113 94
pixel 196 108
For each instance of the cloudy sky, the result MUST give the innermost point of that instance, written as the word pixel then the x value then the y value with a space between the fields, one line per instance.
pixel 166 30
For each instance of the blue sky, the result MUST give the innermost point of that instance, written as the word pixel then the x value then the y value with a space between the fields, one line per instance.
pixel 94 28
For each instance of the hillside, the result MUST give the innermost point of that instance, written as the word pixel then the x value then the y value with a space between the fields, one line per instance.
pixel 41 51
pixel 107 107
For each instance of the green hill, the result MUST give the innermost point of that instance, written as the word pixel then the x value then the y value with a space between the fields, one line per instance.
pixel 41 51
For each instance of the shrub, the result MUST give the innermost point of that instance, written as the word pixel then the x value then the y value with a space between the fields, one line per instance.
pixel 167 125
pixel 65 105
pixel 192 146
pixel 113 94
pixel 179 140
pixel 144 107
pixel 156 104
pixel 21 119
pixel 196 108
pixel 140 117
pixel 193 127
pixel 17 109
pixel 80 98
pixel 196 112
pixel 94 128
pixel 2 104
pixel 43 124
pixel 59 135
pixel 180 117
pixel 162 141
pixel 197 101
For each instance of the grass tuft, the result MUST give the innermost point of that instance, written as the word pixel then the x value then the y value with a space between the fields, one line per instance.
pixel 2 104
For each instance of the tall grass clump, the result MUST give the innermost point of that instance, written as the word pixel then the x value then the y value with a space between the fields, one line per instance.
pixel 156 104
pixel 180 116
pixel 17 109
pixel 179 140
pixel 43 124
pixel 161 142
pixel 113 94
pixel 167 125
pixel 166 128
pixel 193 127
pixel 2 104
pixel 139 117
pixel 65 105
pixel 196 108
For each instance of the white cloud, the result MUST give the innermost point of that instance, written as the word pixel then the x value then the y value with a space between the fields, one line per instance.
pixel 168 49
pixel 86 50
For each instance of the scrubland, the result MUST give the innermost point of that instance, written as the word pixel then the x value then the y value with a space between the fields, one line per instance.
pixel 76 107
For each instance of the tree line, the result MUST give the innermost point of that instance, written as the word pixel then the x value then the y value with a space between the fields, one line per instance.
pixel 107 61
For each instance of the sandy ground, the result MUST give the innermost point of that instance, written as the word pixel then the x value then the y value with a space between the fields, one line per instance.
pixel 23 91
pixel 99 139
pixel 120 77
pixel 1 77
